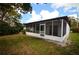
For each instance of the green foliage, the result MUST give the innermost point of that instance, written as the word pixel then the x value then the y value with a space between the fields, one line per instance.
pixel 74 25
pixel 10 14
pixel 14 10
pixel 24 31
pixel 11 7
pixel 6 29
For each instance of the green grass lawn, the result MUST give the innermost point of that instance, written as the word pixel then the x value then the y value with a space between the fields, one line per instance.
pixel 22 44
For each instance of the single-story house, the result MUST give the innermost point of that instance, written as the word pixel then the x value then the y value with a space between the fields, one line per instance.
pixel 55 29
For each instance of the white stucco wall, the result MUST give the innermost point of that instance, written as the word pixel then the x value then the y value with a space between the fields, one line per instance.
pixel 67 33
pixel 55 38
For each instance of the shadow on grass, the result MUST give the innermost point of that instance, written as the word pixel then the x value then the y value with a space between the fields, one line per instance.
pixel 20 44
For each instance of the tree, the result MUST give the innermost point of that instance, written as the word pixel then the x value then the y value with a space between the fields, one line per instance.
pixel 9 17
pixel 11 20
pixel 6 29
pixel 77 10
pixel 13 8
pixel 73 24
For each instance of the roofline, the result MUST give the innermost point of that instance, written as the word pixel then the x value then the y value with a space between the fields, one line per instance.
pixel 47 19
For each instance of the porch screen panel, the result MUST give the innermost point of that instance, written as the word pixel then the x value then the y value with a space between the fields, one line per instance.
pixel 36 28
pixel 57 28
pixel 64 27
pixel 49 28
pixel 30 28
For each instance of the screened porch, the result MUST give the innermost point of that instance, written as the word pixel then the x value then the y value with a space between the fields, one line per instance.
pixel 52 28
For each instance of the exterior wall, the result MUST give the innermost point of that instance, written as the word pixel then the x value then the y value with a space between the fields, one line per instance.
pixel 67 33
pixel 55 38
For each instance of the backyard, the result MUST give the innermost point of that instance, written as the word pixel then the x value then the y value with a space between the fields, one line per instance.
pixel 20 44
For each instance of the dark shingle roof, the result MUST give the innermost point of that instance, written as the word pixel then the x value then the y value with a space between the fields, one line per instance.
pixel 63 17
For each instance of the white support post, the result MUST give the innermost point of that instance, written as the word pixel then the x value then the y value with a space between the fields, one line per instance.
pixel 61 27
pixel 52 27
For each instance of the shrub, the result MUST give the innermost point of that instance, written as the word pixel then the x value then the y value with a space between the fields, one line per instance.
pixel 75 30
pixel 24 31
pixel 6 29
